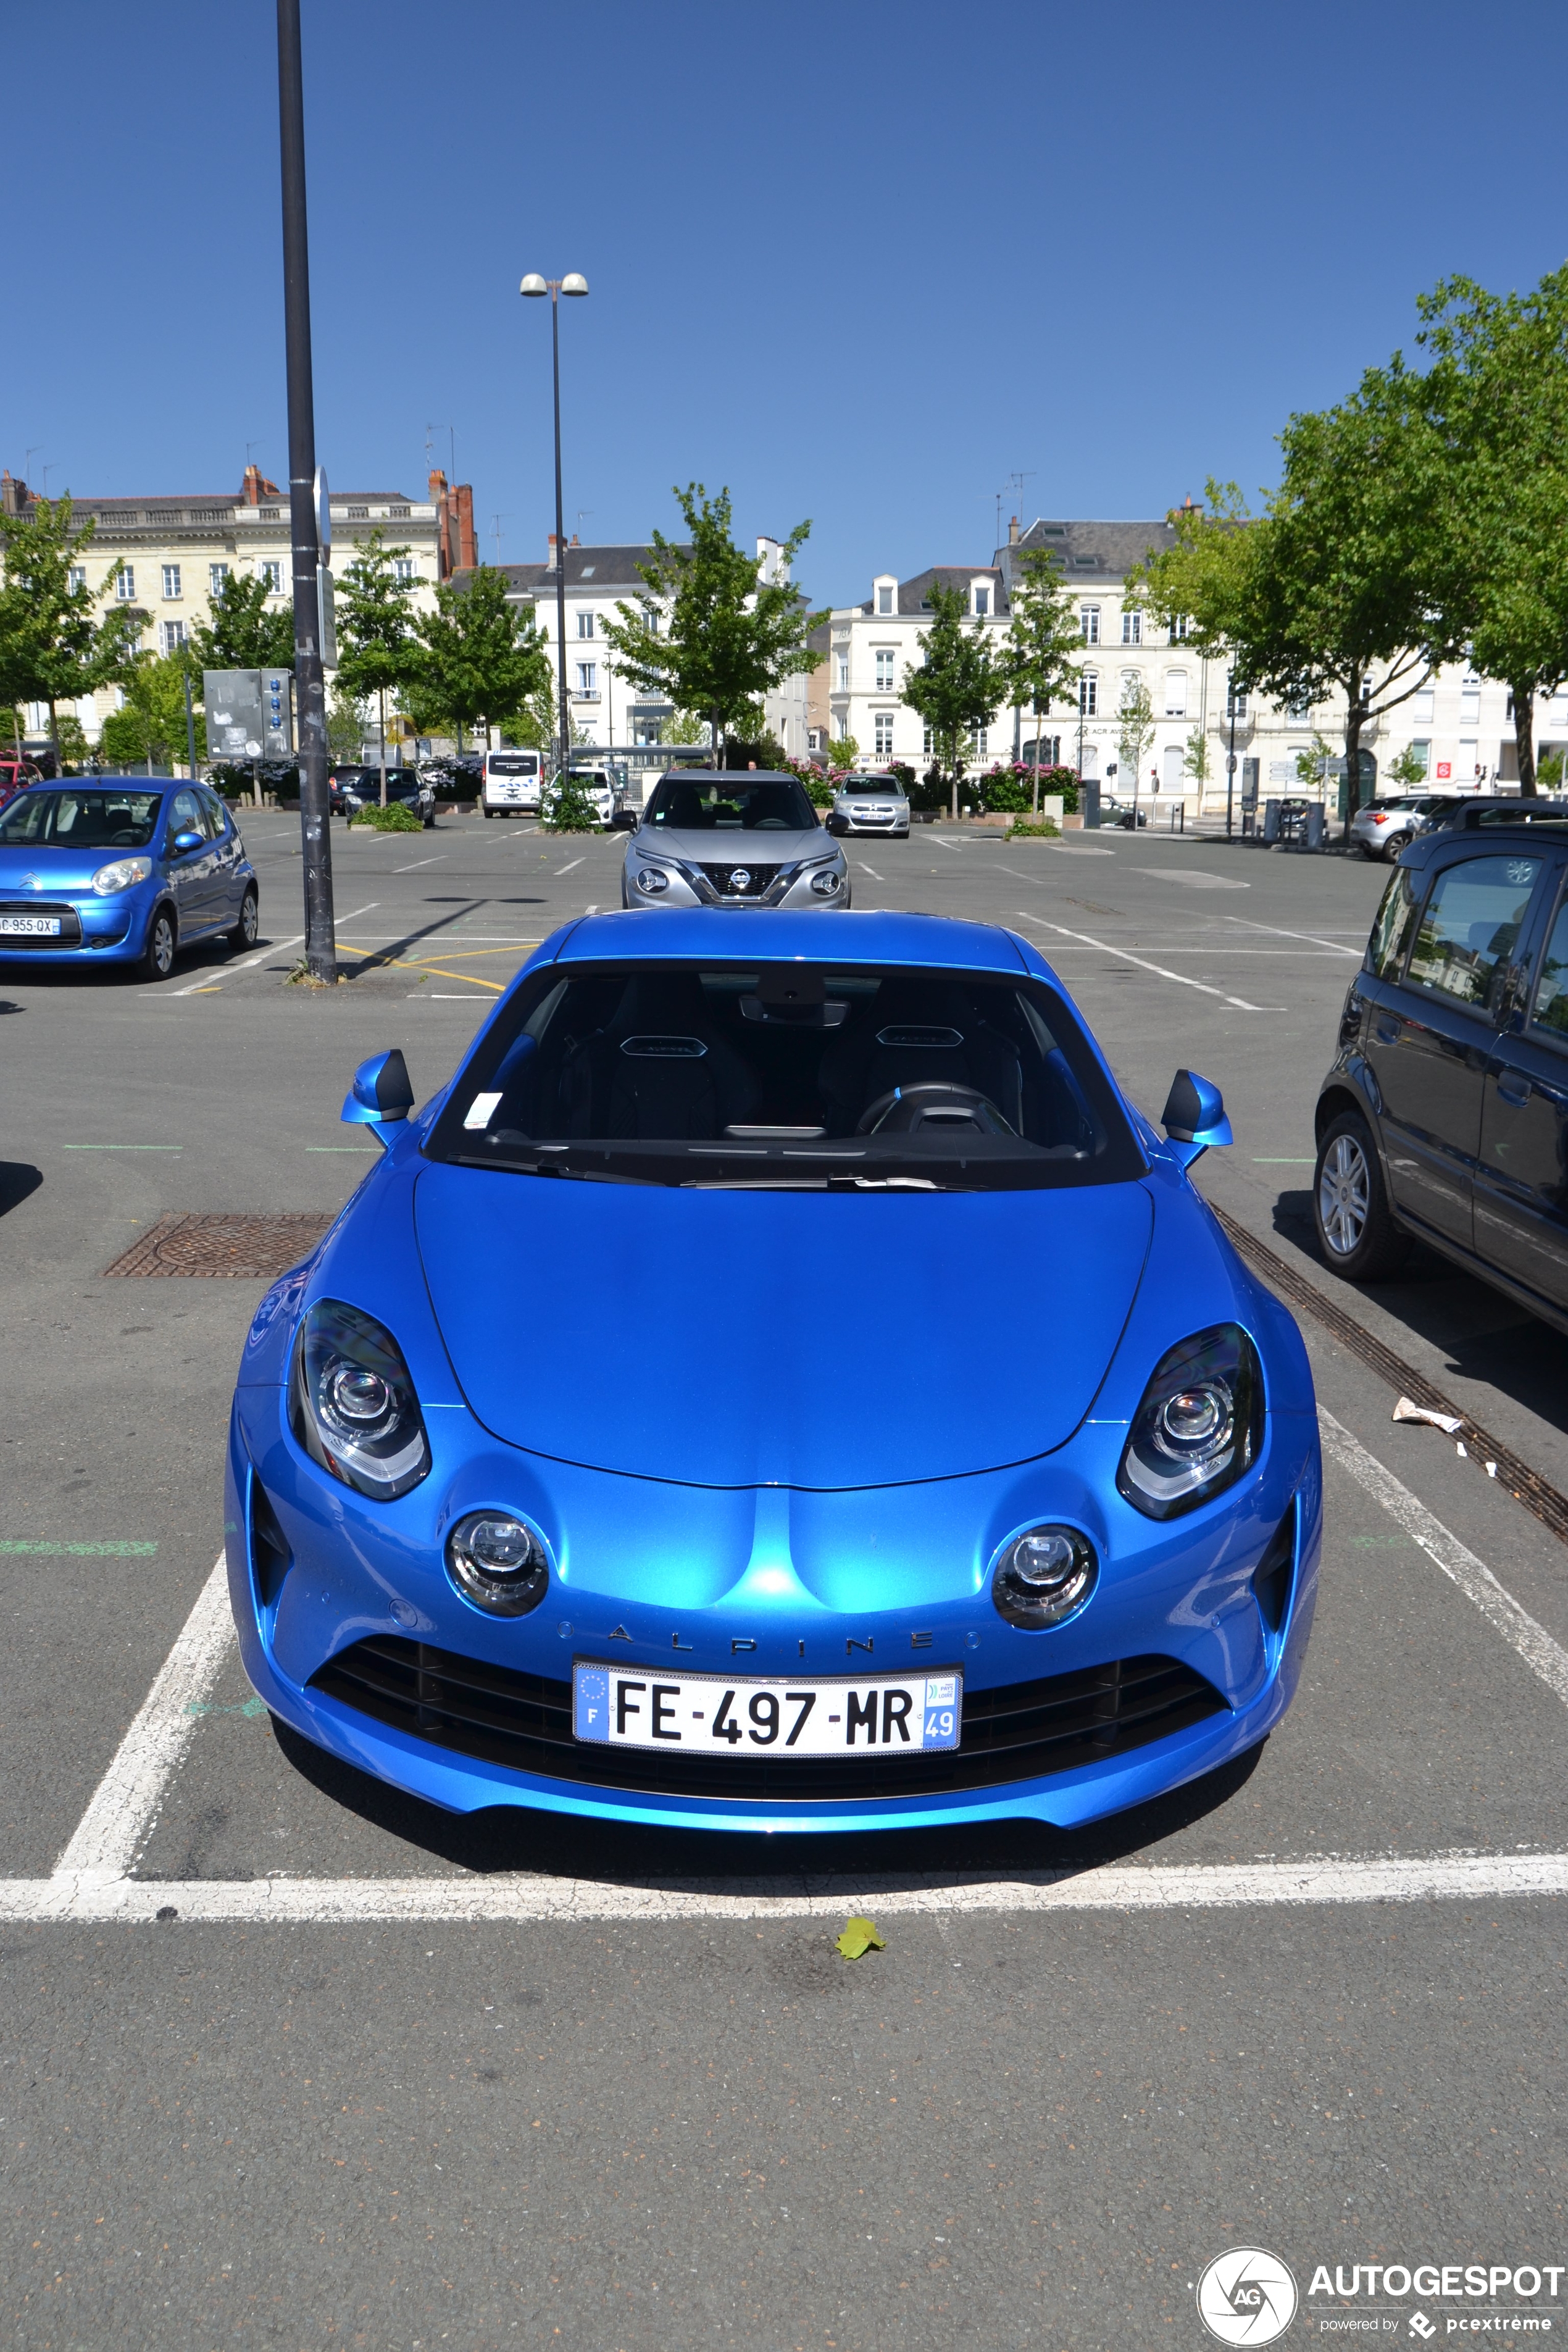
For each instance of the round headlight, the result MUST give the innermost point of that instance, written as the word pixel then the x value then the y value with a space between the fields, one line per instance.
pixel 828 883
pixel 498 1562
pixel 651 880
pixel 123 874
pixel 1043 1576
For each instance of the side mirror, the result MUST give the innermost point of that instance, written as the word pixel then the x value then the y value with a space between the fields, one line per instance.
pixel 1193 1117
pixel 838 825
pixel 381 1094
pixel 188 841
pixel 625 819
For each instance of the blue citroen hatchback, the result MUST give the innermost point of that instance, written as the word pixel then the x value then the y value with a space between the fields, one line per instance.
pixel 779 1384
pixel 122 870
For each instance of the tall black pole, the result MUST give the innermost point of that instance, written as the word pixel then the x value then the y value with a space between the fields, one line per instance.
pixel 309 690
pixel 559 535
pixel 1230 766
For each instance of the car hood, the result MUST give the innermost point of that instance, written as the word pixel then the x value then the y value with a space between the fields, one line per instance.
pixel 738 848
pixel 50 872
pixel 803 1339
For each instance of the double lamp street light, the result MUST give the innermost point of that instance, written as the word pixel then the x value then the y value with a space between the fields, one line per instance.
pixel 534 286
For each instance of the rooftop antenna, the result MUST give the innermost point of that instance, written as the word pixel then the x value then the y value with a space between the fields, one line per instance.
pixel 496 522
pixel 581 512
pixel 430 433
pixel 1012 488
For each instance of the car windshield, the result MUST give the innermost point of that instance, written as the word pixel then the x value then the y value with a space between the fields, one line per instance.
pixel 873 788
pixel 793 1077
pixel 82 818
pixel 730 803
pixel 524 765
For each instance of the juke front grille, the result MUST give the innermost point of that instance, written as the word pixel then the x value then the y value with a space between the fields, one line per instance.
pixel 759 878
pixel 1016 1732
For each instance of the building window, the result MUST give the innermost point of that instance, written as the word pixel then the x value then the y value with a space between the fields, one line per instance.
pixel 171 635
pixel 1088 693
pixel 1177 632
pixel 982 603
pixel 584 625
pixel 1298 707
pixel 402 569
pixel 587 678
pixel 928 740
pixel 1421 707
pixel 884 599
pixel 1469 765
pixel 843 673
pixel 171 581
pixel 979 742
pixel 884 732
pixel 272 577
pixel 1423 752
pixel 125 584
pixel 1132 627
pixel 217 575
pixel 77 577
pixel 884 673
pixel 1469 704
pixel 1089 619
pixel 358 514
pixel 1235 700
pixel 1175 694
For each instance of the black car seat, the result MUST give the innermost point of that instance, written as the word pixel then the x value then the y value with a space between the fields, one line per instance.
pixel 913 1033
pixel 657 1070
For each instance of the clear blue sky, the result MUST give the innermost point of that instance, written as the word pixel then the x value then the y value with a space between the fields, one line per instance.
pixel 860 261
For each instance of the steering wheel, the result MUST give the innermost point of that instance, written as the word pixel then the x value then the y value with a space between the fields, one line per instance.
pixel 933 1102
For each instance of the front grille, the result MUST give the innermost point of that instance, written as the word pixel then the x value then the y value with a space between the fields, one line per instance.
pixel 524 1721
pixel 68 936
pixel 759 878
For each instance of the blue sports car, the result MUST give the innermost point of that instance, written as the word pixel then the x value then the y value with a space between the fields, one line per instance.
pixel 779 1384
pixel 122 870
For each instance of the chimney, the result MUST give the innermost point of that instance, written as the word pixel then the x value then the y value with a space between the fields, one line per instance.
pixel 467 544
pixel 13 495
pixel 576 542
pixel 437 487
pixel 1013 530
pixel 550 558
pixel 257 487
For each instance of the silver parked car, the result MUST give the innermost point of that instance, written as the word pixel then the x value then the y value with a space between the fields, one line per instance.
pixel 874 803
pixel 735 838
pixel 1384 827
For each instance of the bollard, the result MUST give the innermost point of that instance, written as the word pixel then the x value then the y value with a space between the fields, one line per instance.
pixel 1315 827
pixel 1270 820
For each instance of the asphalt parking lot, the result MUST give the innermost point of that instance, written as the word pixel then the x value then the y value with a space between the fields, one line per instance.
pixel 603 2090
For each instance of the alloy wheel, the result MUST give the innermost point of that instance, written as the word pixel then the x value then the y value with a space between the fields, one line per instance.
pixel 1344 1189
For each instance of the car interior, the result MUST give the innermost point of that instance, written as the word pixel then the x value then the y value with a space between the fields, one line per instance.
pixel 730 805
pixel 78 819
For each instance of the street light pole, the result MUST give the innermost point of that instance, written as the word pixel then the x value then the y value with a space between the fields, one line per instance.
pixel 310 701
pixel 1230 766
pixel 534 285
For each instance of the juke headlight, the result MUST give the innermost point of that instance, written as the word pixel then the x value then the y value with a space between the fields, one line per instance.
pixel 827 883
pixel 123 874
pixel 352 1403
pixel 1199 1427
pixel 651 880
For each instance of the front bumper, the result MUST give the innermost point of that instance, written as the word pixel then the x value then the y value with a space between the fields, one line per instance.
pixel 357 1571
pixel 797 895
pixel 110 930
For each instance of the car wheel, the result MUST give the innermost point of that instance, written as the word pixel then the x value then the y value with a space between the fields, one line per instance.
pixel 156 960
pixel 429 824
pixel 1391 849
pixel 244 932
pixel 1356 1230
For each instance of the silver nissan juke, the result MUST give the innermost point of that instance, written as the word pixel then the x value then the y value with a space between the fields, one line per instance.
pixel 738 838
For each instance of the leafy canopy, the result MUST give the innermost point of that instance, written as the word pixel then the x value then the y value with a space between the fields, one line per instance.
pixel 714 636
pixel 483 657
pixel 960 685
pixel 241 630
pixel 377 649
pixel 53 647
pixel 1045 635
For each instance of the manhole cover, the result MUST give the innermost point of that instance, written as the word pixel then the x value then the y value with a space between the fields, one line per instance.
pixel 251 1249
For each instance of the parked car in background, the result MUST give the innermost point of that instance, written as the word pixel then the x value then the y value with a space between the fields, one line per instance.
pixel 1123 814
pixel 122 871
pixel 871 803
pixel 351 789
pixel 509 783
pixel 1384 827
pixel 1444 1117
pixel 1497 808
pixel 741 1607
pixel 746 838
pixel 598 785
pixel 14 774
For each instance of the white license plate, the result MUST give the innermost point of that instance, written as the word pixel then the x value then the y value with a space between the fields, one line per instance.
pixel 730 1714
pixel 30 927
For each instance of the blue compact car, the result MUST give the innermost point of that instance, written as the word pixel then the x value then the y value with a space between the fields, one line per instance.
pixel 779 1384
pixel 122 870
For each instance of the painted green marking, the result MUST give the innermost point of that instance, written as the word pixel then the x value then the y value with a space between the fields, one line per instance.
pixel 81 1551
pixel 122 1147
pixel 251 1707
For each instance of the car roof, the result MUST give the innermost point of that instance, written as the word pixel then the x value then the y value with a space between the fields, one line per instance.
pixel 740 934
pixel 1469 836
pixel 742 775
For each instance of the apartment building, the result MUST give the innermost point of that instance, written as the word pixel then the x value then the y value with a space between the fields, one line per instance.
pixel 1459 726
pixel 169 554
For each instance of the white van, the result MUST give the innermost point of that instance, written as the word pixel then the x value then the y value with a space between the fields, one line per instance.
pixel 510 786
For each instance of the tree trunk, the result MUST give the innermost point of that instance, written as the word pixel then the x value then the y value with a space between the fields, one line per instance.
pixel 953 770
pixel 1524 737
pixel 381 746
pixel 1355 713
pixel 1034 787
pixel 54 738
pixel 718 740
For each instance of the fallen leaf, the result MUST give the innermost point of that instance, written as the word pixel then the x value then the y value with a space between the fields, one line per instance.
pixel 858 1937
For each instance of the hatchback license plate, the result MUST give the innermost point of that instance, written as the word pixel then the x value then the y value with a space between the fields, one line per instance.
pixel 30 927
pixel 728 1715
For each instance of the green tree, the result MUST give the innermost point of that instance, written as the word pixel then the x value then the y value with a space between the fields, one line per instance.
pixel 1195 761
pixel 155 697
pixel 483 659
pixel 1310 764
pixel 713 635
pixel 345 724
pixel 1497 396
pixel 52 648
pixel 1406 774
pixel 241 630
pixel 1045 635
pixel 1135 730
pixel 843 751
pixel 377 648
pixel 125 741
pixel 685 727
pixel 960 685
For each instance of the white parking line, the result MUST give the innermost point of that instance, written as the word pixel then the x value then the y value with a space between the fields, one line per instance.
pixel 1181 978
pixel 1534 1644
pixel 419 862
pixel 871 870
pixel 569 868
pixel 944 844
pixel 278 946
pixel 1337 946
pixel 1196 880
